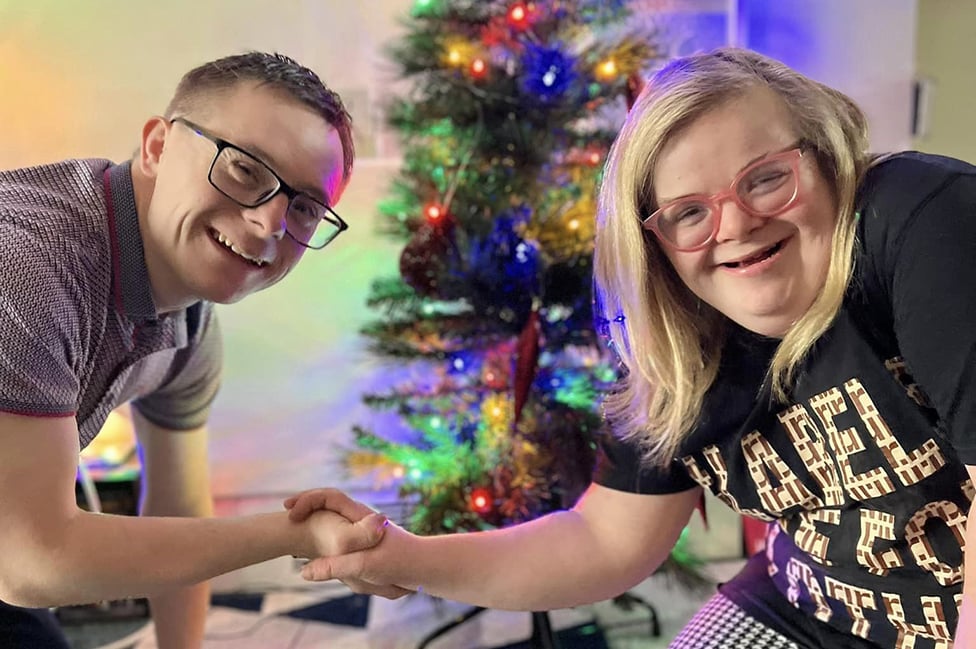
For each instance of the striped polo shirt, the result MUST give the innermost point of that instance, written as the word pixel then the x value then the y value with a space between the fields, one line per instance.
pixel 79 333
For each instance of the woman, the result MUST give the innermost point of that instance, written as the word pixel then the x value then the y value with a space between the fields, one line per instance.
pixel 798 325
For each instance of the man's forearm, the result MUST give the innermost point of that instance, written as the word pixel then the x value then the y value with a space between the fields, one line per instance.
pixel 102 557
pixel 180 616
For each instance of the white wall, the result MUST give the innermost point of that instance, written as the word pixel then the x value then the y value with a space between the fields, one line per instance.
pixel 865 48
pixel 946 35
pixel 78 79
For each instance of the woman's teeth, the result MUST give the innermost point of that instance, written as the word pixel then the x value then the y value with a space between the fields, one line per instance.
pixel 765 254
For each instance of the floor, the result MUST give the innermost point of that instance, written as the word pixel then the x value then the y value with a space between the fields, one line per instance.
pixel 329 615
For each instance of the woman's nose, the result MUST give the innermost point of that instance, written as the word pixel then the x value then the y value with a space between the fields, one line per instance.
pixel 736 223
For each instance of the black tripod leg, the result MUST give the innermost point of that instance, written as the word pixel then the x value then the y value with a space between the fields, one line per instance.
pixel 456 622
pixel 542 635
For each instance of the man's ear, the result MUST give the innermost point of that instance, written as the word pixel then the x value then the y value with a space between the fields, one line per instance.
pixel 154 133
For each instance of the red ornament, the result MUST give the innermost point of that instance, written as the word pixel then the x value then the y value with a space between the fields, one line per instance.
pixel 497 32
pixel 635 84
pixel 526 362
pixel 423 261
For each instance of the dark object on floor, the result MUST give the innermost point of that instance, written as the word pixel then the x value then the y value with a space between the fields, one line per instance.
pixel 584 636
pixel 126 609
pixel 352 610
pixel 242 601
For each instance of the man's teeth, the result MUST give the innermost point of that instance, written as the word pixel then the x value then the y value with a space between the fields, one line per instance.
pixel 219 236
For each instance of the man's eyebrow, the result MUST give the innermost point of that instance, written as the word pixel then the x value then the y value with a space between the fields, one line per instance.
pixel 269 160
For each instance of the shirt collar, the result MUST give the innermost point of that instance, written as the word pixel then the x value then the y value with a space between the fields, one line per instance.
pixel 130 277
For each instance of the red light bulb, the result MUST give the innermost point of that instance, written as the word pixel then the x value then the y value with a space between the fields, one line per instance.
pixel 433 212
pixel 481 500
pixel 518 15
pixel 478 68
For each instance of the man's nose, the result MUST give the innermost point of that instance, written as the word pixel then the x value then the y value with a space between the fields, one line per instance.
pixel 270 217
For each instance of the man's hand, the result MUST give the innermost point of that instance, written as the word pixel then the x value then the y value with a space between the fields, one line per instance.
pixel 301 505
pixel 331 534
pixel 348 554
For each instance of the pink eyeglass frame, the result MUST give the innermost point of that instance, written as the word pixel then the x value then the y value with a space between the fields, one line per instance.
pixel 714 202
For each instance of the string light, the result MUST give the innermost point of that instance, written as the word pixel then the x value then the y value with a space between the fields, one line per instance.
pixel 481 500
pixel 607 70
pixel 434 213
pixel 479 68
pixel 518 15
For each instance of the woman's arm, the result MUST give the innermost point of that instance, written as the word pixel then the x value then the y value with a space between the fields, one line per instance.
pixel 610 541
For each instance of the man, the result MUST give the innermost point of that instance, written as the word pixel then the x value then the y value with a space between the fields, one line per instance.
pixel 107 278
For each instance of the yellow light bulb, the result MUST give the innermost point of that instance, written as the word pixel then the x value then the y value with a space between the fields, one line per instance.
pixel 607 70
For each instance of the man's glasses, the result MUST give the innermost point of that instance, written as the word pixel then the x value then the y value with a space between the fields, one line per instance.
pixel 765 188
pixel 249 182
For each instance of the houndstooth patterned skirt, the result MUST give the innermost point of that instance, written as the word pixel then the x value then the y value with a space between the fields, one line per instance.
pixel 720 624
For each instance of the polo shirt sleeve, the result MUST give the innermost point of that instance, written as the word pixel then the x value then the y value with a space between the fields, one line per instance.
pixel 39 327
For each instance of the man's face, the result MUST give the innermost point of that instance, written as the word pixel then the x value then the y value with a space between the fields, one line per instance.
pixel 199 243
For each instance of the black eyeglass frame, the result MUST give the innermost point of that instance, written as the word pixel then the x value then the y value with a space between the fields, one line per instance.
pixel 282 188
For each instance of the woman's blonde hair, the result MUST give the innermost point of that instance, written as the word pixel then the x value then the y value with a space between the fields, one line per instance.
pixel 668 341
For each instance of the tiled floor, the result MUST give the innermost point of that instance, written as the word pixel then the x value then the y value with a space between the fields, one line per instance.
pixel 330 616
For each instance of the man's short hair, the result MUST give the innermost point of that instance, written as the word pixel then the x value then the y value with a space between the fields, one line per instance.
pixel 275 71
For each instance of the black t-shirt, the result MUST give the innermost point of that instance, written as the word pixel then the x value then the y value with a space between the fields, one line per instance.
pixel 863 470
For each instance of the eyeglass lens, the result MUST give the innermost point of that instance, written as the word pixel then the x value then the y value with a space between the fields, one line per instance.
pixel 764 189
pixel 250 182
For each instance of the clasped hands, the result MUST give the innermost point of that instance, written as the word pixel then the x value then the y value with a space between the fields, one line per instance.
pixel 355 545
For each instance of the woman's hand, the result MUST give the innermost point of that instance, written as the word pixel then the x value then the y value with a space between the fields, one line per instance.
pixel 347 546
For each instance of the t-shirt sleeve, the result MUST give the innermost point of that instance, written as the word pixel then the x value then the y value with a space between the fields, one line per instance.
pixel 929 264
pixel 619 466
pixel 39 329
pixel 183 401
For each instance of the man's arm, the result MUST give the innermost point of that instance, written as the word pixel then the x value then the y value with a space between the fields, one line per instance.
pixel 610 541
pixel 53 553
pixel 176 482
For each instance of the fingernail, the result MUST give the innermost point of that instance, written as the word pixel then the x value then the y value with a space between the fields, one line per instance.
pixel 305 573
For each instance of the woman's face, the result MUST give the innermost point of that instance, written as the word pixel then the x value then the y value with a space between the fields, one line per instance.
pixel 761 272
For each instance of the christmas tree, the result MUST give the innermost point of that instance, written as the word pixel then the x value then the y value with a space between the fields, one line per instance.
pixel 511 111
